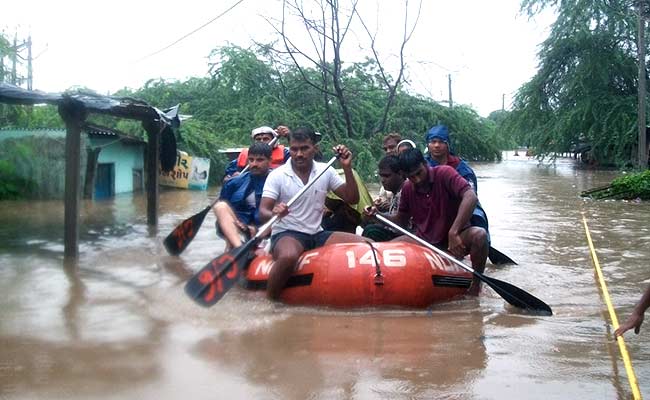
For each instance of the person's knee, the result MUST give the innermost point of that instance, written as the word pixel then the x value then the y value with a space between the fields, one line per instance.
pixel 479 239
pixel 286 252
pixel 482 237
pixel 286 260
pixel 345 237
pixel 221 206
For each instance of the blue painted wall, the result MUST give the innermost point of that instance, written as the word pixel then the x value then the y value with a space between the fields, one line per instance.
pixel 126 158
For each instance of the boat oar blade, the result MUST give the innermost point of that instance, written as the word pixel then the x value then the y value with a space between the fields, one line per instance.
pixel 183 234
pixel 213 280
pixel 209 285
pixel 498 258
pixel 510 293
pixel 516 296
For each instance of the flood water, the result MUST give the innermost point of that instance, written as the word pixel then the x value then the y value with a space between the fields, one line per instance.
pixel 117 324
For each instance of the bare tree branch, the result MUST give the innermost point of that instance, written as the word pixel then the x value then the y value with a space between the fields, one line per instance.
pixel 291 49
pixel 392 88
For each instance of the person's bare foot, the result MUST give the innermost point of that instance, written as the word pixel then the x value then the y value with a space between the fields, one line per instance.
pixel 475 288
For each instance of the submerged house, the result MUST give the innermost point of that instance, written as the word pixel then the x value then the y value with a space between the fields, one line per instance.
pixel 113 162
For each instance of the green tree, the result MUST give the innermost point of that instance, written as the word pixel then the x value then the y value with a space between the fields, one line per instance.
pixel 245 90
pixel 5 52
pixel 585 89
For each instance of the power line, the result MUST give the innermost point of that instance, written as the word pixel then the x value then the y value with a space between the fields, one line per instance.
pixel 191 33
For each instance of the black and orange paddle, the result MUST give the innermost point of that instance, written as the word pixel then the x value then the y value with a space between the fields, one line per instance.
pixel 209 285
pixel 510 293
pixel 183 234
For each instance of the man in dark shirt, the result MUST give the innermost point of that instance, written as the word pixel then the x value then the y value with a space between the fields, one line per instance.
pixel 440 153
pixel 439 202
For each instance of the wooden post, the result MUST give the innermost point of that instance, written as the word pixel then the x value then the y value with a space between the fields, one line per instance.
pixel 91 173
pixel 74 114
pixel 153 129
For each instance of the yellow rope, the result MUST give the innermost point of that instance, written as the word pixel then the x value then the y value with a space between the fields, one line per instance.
pixel 631 376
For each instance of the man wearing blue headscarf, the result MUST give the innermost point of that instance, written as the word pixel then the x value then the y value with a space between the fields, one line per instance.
pixel 440 153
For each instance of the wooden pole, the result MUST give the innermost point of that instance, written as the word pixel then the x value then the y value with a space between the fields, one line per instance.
pixel 73 114
pixel 153 129
pixel 641 120
pixel 91 173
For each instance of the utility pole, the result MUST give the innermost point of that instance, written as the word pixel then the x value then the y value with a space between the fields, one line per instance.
pixel 15 52
pixel 13 60
pixel 29 63
pixel 451 101
pixel 503 102
pixel 641 119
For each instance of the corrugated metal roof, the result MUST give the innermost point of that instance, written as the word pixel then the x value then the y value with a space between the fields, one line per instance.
pixel 91 130
pixel 100 131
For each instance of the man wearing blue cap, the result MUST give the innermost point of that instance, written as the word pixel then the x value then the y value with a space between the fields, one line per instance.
pixel 440 153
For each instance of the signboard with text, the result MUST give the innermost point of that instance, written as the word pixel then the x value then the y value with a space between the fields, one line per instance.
pixel 188 173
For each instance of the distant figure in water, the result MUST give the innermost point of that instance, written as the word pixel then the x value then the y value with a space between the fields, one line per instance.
pixel 636 318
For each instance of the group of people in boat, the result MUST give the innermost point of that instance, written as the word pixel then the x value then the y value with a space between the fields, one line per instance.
pixel 434 197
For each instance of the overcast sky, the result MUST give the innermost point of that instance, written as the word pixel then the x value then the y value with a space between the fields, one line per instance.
pixel 486 46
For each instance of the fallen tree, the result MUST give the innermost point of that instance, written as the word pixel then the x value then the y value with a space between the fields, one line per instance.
pixel 628 187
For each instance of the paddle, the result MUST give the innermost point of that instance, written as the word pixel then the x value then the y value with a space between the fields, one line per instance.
pixel 510 293
pixel 183 234
pixel 209 285
pixel 498 258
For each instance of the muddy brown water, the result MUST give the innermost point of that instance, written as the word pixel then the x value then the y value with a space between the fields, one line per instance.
pixel 117 325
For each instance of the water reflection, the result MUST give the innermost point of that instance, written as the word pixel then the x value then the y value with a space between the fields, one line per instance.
pixel 76 298
pixel 106 343
pixel 388 356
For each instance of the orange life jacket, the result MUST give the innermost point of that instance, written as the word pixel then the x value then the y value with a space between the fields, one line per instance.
pixel 277 157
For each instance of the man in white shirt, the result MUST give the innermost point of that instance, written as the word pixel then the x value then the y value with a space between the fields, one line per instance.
pixel 299 229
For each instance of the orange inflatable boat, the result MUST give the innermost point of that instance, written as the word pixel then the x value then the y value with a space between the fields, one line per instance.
pixel 366 275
